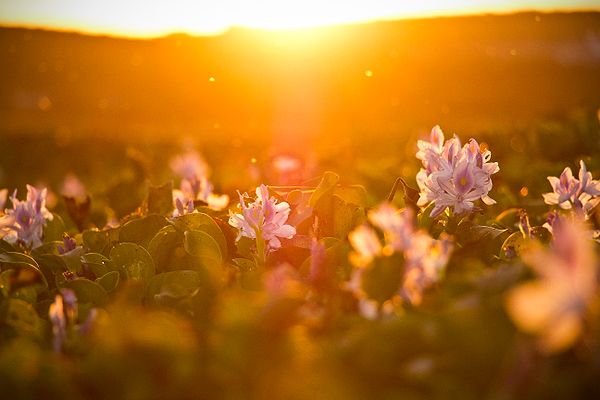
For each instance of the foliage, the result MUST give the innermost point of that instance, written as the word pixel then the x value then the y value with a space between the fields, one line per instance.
pixel 161 305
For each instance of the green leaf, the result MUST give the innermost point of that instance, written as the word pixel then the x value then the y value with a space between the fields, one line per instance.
pixel 47 248
pixel 205 223
pixel 98 264
pixel 88 291
pixel 73 259
pixel 383 279
pixel 133 261
pixel 51 266
pixel 243 264
pixel 337 217
pixel 354 194
pixel 54 229
pixel 326 186
pixel 164 248
pixel 201 245
pixel 100 241
pixel 468 232
pixel 514 245
pixel 142 230
pixel 424 219
pixel 172 285
pixel 19 317
pixel 294 197
pixel 160 199
pixel 27 270
pixel 345 216
pixel 16 258
pixel 190 292
pixel 6 247
pixel 109 281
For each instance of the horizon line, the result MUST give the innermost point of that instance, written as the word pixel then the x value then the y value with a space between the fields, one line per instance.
pixel 92 32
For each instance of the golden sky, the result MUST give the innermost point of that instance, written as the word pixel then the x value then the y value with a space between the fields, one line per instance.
pixel 143 18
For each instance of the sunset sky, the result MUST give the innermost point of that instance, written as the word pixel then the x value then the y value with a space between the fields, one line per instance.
pixel 143 18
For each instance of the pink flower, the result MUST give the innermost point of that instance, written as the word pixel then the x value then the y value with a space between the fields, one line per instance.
pixel 425 258
pixel 366 246
pixel 264 218
pixel 569 192
pixel 195 184
pixel 397 225
pixel 553 307
pixel 25 222
pixel 453 176
pixel 190 166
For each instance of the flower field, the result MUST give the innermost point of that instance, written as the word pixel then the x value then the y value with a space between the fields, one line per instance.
pixel 435 266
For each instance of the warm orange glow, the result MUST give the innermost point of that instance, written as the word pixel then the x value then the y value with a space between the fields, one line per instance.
pixel 151 18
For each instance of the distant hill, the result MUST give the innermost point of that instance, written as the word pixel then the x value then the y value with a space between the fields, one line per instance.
pixel 376 79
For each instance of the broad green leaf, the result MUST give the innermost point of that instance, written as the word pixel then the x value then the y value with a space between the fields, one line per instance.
pixel 354 194
pixel 16 257
pixel 325 187
pixel 88 291
pixel 166 248
pixel 6 247
pixel 337 217
pixel 383 279
pixel 109 281
pixel 424 219
pixel 172 285
pixel 100 241
pixel 51 266
pixel 243 264
pixel 47 248
pixel 19 317
pixel 142 230
pixel 468 232
pixel 133 261
pixel 98 264
pixel 190 292
pixel 27 270
pixel 345 216
pixel 205 223
pixel 20 284
pixel 294 197
pixel 200 244
pixel 73 259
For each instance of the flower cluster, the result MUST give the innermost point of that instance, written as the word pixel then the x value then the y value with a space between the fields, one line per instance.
pixel 425 258
pixel 453 176
pixel 263 219
pixel 195 185
pixel 569 192
pixel 553 307
pixel 25 222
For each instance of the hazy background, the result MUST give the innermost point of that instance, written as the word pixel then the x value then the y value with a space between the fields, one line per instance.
pixel 352 98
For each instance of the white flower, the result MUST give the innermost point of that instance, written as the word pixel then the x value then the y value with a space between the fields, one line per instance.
pixel 264 218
